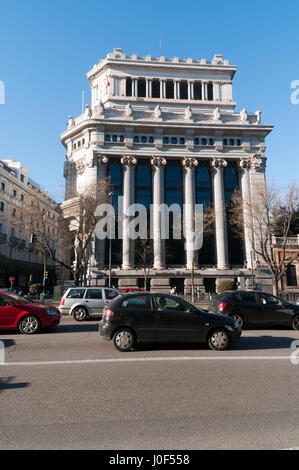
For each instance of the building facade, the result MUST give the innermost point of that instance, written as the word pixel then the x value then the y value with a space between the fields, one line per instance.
pixel 165 131
pixel 289 282
pixel 19 198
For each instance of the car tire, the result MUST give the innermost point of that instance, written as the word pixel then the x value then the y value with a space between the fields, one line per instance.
pixel 219 340
pixel 80 313
pixel 29 325
pixel 238 318
pixel 295 322
pixel 124 340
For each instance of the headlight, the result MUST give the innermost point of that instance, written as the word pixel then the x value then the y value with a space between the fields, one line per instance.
pixel 51 312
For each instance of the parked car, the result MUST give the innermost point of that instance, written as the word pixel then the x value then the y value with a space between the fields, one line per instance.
pixel 129 290
pixel 16 312
pixel 150 317
pixel 85 302
pixel 252 308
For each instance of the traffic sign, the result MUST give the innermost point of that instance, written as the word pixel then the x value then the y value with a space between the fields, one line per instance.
pixel 11 278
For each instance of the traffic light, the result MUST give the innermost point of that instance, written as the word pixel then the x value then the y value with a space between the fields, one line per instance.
pixel 46 275
pixel 33 238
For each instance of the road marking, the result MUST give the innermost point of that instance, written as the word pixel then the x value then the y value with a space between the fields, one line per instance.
pixel 146 359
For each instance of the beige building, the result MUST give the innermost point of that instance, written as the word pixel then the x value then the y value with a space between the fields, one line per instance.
pixel 19 198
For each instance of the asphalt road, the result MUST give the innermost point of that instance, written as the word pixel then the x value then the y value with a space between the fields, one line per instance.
pixel 68 389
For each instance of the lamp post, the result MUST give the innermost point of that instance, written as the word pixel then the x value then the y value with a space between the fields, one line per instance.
pixel 110 194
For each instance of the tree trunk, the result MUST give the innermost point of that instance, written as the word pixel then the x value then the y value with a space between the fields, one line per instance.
pixel 275 285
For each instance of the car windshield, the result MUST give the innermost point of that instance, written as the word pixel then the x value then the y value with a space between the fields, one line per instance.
pixel 19 298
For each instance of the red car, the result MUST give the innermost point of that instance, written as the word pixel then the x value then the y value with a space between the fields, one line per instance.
pixel 23 315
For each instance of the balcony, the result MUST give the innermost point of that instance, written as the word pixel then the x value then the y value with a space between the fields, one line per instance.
pixel 3 237
pixel 17 242
pixel 291 242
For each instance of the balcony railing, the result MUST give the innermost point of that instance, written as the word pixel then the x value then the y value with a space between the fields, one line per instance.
pixel 290 242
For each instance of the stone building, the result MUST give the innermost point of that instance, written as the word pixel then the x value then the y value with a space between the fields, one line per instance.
pixel 19 195
pixel 166 131
pixel 289 283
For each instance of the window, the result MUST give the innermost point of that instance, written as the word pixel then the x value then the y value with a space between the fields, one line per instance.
pixel 238 142
pixel 174 140
pixel 94 294
pixel 114 138
pixel 79 143
pixel 183 90
pixel 1 206
pixel 268 299
pixel 165 140
pixel 129 87
pixel 224 141
pixel 203 141
pixel 3 186
pixel 165 303
pixel 143 139
pixel 22 197
pixel 14 193
pixel 141 88
pixel 247 297
pixel 4 300
pixel 210 91
pixel 110 294
pixel 107 138
pixel 121 138
pixel 22 178
pixel 139 301
pixel 155 89
pixel 211 141
pixel 169 89
pixel 136 139
pixel 76 294
pixel 196 141
pixel 291 276
pixel 231 142
pixel 74 146
pixel 197 91
pixel 150 140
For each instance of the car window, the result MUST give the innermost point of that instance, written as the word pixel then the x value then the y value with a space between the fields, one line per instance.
pixel 111 294
pixel 76 294
pixel 94 294
pixel 165 303
pixel 138 301
pixel 268 299
pixel 4 300
pixel 247 297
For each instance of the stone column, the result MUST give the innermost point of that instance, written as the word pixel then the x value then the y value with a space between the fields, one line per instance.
pixel 247 213
pixel 158 164
pixel 189 165
pixel 218 164
pixel 129 164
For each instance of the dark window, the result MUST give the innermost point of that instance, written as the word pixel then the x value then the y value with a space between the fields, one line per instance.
pixel 210 91
pixel 3 186
pixel 238 142
pixel 174 140
pixel 22 197
pixel 211 141
pixel 143 139
pixel 169 89
pixel 231 142
pixel 136 139
pixel 4 300
pixel 121 138
pixel 22 178
pixel 139 301
pixel 206 254
pixel 291 276
pixel 268 299
pixel 129 87
pixel 196 141
pixel 143 185
pixel 165 140
pixel 203 141
pixel 111 294
pixel 107 138
pixel 183 90
pixel 94 294
pixel 197 91
pixel 151 140
pixel 155 89
pixel 175 253
pixel 14 193
pixel 235 242
pixel 115 175
pixel 114 138
pixel 141 88
pixel 76 294
pixel 224 141
pixel 247 297
pixel 182 141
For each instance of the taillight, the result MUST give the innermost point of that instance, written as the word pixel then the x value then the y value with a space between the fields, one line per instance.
pixel 222 306
pixel 62 301
pixel 108 313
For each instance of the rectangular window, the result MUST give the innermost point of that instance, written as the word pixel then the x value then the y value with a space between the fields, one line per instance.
pixel 22 178
pixel 140 301
pixel 94 294
pixel 197 91
pixel 14 193
pixel 3 186
pixel 155 89
pixel 141 88
pixel 183 90
pixel 291 276
pixel 169 89
pixel 76 294
pixel 129 87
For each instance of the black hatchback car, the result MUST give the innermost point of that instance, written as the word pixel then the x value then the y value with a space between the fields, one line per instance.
pixel 252 308
pixel 149 317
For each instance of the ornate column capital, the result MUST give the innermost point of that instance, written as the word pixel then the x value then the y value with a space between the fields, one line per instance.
pixel 80 167
pixel 128 160
pixel 245 163
pixel 102 160
pixel 258 162
pixel 218 163
pixel 158 162
pixel 190 162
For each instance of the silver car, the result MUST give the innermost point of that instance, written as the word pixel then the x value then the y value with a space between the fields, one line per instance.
pixel 85 302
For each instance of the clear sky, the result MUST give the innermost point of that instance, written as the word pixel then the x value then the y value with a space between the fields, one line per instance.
pixel 47 47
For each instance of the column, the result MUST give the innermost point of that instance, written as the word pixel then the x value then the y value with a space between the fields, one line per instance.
pixel 189 90
pixel 218 164
pixel 129 164
pixel 189 165
pixel 158 164
pixel 247 209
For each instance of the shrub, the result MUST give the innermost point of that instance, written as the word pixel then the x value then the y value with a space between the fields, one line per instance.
pixel 226 285
pixel 36 289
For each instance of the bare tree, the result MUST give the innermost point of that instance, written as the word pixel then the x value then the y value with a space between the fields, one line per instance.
pixel 258 219
pixel 144 252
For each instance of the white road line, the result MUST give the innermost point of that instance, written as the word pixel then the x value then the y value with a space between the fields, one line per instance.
pixel 147 359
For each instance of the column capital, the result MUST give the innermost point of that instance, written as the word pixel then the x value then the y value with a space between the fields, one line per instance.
pixel 128 160
pixel 102 160
pixel 158 162
pixel 258 162
pixel 189 162
pixel 218 163
pixel 245 164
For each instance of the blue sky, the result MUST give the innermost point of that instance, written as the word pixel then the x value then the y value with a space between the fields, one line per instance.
pixel 47 47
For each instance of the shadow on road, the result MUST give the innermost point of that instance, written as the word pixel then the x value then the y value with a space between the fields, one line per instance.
pixel 73 328
pixel 6 384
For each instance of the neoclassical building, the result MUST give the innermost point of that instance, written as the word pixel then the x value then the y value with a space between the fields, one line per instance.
pixel 166 131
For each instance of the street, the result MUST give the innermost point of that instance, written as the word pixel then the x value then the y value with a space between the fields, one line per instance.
pixel 68 389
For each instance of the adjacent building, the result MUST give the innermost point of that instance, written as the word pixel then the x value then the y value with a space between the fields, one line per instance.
pixel 166 131
pixel 20 197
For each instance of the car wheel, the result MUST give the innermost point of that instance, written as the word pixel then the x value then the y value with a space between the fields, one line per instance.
pixel 124 340
pixel 29 325
pixel 80 313
pixel 238 319
pixel 295 322
pixel 218 340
